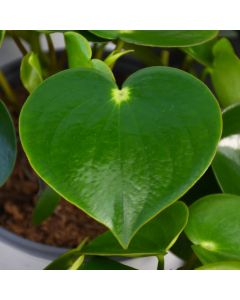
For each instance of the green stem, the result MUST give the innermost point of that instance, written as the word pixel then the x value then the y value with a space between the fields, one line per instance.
pixel 7 89
pixel 165 55
pixel 160 262
pixel 20 45
pixel 119 45
pixel 99 51
pixel 52 53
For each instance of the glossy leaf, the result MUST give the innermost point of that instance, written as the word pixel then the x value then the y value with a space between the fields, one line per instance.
pixel 154 238
pixel 8 147
pixel 226 164
pixel 30 72
pixel 214 228
pixel 226 73
pixel 79 51
pixel 224 265
pixel 124 155
pixel 160 38
pixel 47 202
pixel 2 34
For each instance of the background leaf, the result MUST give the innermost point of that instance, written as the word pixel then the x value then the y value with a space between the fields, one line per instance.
pixel 30 72
pixel 47 202
pixel 98 146
pixel 214 228
pixel 226 163
pixel 224 265
pixel 8 144
pixel 226 73
pixel 79 51
pixel 160 38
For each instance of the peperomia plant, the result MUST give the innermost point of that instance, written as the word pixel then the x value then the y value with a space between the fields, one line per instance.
pixel 125 154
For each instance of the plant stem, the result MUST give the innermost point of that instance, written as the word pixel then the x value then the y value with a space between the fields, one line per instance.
pixel 160 262
pixel 20 45
pixel 165 55
pixel 119 45
pixel 7 89
pixel 99 51
pixel 52 53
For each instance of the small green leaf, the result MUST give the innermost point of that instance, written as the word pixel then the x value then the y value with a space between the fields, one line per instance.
pixel 99 65
pixel 226 73
pixel 2 34
pixel 114 56
pixel 226 163
pixel 30 72
pixel 122 156
pixel 74 260
pixel 160 38
pixel 67 260
pixel 214 228
pixel 102 263
pixel 8 144
pixel 223 265
pixel 154 238
pixel 47 202
pixel 79 51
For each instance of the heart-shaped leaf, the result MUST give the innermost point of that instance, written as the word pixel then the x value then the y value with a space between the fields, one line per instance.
pixel 124 155
pixel 226 164
pixel 154 238
pixel 214 228
pixel 224 265
pixel 8 147
pixel 160 38
pixel 226 73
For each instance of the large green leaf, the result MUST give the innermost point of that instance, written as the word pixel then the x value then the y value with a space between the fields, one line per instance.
pixel 223 265
pixel 160 38
pixel 8 147
pixel 226 164
pixel 2 34
pixel 214 228
pixel 124 155
pixel 31 72
pixel 154 238
pixel 226 73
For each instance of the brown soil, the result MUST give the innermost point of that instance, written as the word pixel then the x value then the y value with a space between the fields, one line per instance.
pixel 67 227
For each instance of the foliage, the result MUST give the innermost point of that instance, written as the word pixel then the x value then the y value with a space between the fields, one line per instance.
pixel 126 151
